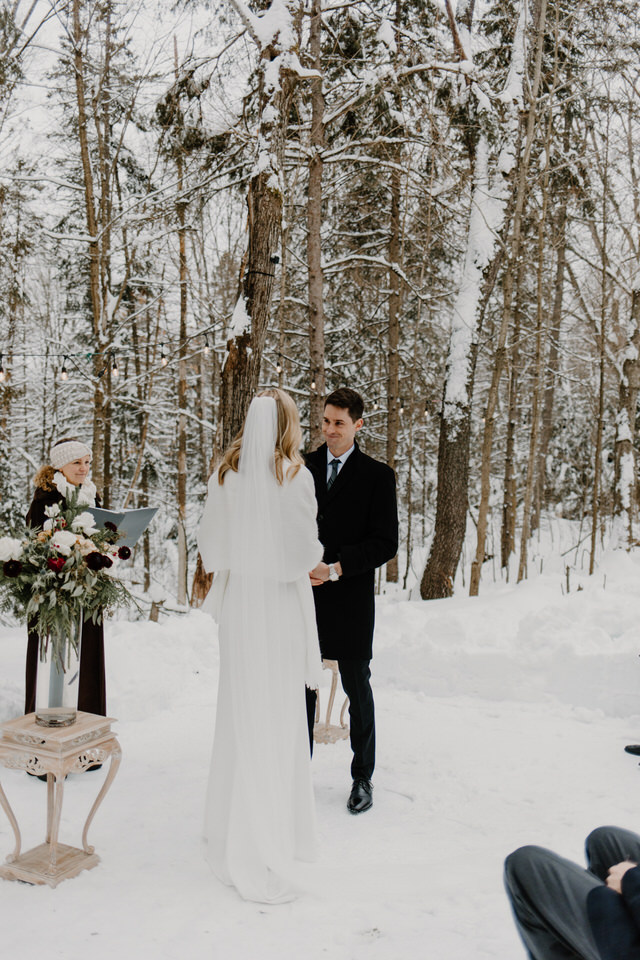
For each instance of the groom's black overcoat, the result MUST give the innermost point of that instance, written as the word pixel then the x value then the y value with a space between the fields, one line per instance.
pixel 357 525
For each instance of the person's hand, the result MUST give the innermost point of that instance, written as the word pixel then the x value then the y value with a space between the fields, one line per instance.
pixel 319 574
pixel 617 872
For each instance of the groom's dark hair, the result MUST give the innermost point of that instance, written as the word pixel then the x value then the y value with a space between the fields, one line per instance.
pixel 347 399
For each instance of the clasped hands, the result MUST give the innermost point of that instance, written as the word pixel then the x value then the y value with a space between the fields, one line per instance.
pixel 617 872
pixel 320 573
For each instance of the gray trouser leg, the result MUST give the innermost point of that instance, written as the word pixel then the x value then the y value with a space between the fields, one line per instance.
pixel 609 845
pixel 548 896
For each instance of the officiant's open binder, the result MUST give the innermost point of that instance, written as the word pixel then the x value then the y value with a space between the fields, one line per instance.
pixel 130 523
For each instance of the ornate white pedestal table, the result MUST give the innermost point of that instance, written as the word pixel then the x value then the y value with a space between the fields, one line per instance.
pixel 55 751
pixel 325 731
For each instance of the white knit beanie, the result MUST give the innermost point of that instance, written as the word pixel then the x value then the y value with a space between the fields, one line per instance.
pixel 67 452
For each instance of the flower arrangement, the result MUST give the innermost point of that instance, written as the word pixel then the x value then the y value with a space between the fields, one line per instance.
pixel 50 576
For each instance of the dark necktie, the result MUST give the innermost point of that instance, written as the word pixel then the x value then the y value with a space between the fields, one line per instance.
pixel 334 464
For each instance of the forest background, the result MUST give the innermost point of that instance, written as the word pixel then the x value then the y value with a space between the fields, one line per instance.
pixel 437 204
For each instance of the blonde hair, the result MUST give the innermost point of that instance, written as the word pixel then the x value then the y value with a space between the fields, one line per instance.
pixel 288 440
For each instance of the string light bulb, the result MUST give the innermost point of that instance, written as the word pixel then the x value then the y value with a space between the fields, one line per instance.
pixel 313 384
pixel 163 356
pixel 401 405
pixel 114 369
pixel 63 373
pixel 206 345
pixel 2 373
pixel 375 404
pixel 278 366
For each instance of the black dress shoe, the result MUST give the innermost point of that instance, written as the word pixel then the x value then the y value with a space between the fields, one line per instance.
pixel 633 748
pixel 360 798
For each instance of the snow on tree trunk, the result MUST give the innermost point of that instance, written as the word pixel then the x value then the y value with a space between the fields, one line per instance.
pixel 317 384
pixel 453 448
pixel 276 36
pixel 626 485
pixel 488 205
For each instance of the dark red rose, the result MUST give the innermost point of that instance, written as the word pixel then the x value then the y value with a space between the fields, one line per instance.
pixel 106 561
pixel 94 561
pixel 124 553
pixel 109 525
pixel 56 563
pixel 11 568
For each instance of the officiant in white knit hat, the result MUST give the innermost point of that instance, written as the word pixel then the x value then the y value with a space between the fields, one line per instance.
pixel 67 471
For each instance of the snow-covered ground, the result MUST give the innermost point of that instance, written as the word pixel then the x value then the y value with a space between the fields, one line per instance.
pixel 501 720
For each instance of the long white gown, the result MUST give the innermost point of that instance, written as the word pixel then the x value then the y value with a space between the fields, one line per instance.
pixel 259 814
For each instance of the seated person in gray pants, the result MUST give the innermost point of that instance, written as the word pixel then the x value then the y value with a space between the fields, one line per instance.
pixel 563 912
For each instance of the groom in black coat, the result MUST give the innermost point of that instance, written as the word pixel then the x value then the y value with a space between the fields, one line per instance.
pixel 358 527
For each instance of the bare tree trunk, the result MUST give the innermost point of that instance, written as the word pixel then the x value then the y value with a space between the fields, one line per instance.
pixel 553 359
pixel 602 347
pixel 94 249
pixel 146 542
pixel 102 123
pixel 478 279
pixel 145 393
pixel 510 500
pixel 537 379
pixel 241 372
pixel 282 309
pixel 492 399
pixel 412 413
pixel 314 244
pixel 182 376
pixel 393 373
pixel 451 507
pixel 626 484
pixel 395 295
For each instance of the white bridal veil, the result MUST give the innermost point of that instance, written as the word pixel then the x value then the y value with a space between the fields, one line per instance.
pixel 264 534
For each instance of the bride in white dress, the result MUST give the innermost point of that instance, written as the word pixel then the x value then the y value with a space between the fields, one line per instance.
pixel 259 534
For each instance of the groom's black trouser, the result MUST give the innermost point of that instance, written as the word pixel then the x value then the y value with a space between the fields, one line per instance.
pixel 312 698
pixel 553 899
pixel 355 676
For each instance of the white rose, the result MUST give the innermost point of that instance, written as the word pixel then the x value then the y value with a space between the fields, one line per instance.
pixel 48 524
pixel 84 523
pixel 53 510
pixel 10 549
pixel 63 541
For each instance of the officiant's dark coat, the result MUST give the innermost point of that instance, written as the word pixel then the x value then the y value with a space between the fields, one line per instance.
pixel 92 693
pixel 357 525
